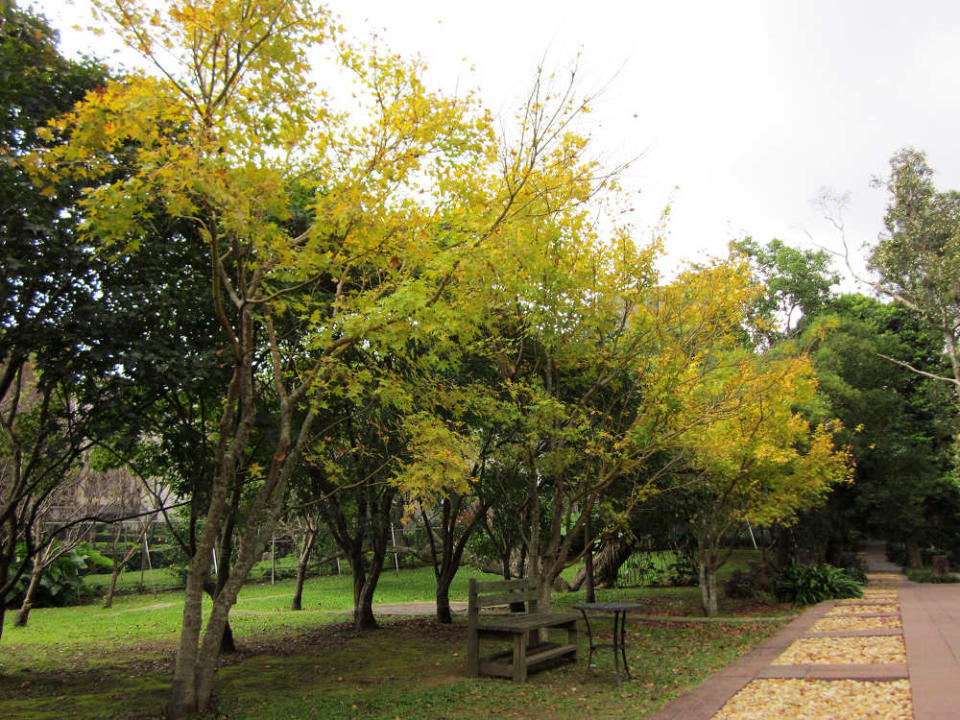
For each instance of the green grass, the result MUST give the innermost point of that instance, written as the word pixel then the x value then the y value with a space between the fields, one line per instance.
pixel 116 663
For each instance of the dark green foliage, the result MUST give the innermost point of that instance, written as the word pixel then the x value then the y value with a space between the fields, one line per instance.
pixel 754 584
pixel 61 582
pixel 926 575
pixel 854 566
pixel 815 583
pixel 897 553
pixel 899 425
pixel 918 258
pixel 797 283
pixel 657 569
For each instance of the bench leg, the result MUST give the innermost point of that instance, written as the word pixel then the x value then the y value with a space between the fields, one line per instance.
pixel 473 653
pixel 520 657
pixel 573 638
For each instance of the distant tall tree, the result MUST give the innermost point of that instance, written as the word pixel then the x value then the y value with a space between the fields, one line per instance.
pixel 918 258
pixel 899 424
pixel 797 284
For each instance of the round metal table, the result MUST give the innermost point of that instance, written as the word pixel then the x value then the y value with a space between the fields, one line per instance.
pixel 619 610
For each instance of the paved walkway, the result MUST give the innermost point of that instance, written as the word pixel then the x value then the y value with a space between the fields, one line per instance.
pixel 931 630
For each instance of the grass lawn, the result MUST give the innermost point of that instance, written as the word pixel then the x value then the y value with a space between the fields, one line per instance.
pixel 116 663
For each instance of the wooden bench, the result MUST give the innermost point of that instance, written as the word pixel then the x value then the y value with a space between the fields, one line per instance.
pixel 522 629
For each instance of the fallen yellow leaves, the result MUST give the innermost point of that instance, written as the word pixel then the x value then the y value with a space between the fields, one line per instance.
pixel 845 623
pixel 886 577
pixel 844 651
pixel 820 700
pixel 863 609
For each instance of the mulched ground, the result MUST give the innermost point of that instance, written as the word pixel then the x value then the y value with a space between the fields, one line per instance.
pixel 794 699
pixel 854 622
pixel 820 700
pixel 869 650
pixel 874 609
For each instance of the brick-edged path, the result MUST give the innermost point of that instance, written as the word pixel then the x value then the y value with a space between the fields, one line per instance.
pixel 931 629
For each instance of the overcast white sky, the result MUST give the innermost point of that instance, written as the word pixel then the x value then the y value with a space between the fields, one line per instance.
pixel 742 109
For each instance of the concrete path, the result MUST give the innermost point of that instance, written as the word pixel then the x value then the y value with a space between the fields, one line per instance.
pixel 931 630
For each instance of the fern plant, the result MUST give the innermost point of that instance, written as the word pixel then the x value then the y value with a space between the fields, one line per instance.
pixel 815 583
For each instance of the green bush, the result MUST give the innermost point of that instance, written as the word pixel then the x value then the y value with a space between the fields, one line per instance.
pixel 897 553
pixel 754 584
pixel 61 582
pixel 816 583
pixel 925 575
pixel 854 566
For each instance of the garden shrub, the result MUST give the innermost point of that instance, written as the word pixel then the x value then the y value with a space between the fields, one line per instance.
pixel 752 584
pixel 815 583
pixel 897 553
pixel 925 575
pixel 61 582
pixel 854 566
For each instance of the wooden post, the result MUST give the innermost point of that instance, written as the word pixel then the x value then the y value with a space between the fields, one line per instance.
pixel 520 657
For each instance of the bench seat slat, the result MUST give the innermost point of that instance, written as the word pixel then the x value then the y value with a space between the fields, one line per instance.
pixel 520 623
pixel 498 585
pixel 504 599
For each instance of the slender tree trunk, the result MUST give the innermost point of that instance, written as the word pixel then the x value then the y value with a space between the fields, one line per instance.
pixel 443 598
pixel 517 607
pixel 588 561
pixel 708 561
pixel 35 576
pixel 358 571
pixel 302 569
pixel 183 699
pixel 606 564
pixel 253 541
pixel 914 556
pixel 6 559
pixel 711 609
pixel 363 613
pixel 108 601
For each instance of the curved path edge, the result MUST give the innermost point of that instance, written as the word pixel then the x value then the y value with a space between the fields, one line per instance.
pixel 703 701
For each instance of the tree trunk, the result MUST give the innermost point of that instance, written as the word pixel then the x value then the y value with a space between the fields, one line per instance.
pixel 708 590
pixel 588 561
pixel 297 603
pixel 363 618
pixel 517 607
pixel 606 564
pixel 785 548
pixel 24 615
pixel 443 598
pixel 182 700
pixel 914 556
pixel 709 561
pixel 228 644
pixel 108 601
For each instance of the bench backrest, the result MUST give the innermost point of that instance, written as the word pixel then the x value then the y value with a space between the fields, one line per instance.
pixel 501 592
